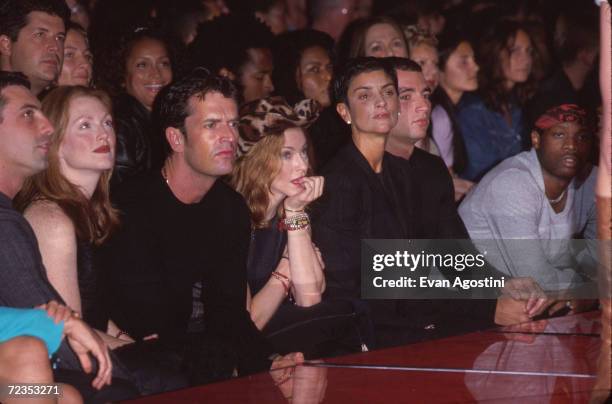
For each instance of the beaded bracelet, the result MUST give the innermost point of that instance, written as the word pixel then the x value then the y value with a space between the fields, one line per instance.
pixel 284 280
pixel 297 222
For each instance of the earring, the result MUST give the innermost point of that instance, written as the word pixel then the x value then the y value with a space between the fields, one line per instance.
pixel 348 122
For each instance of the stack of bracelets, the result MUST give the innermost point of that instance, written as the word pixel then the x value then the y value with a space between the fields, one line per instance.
pixel 297 222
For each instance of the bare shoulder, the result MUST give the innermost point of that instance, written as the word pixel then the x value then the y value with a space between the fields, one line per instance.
pixel 47 218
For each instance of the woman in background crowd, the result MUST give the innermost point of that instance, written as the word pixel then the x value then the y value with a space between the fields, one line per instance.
pixel 134 73
pixel 458 75
pixel 78 60
pixel 492 121
pixel 307 57
pixel 378 37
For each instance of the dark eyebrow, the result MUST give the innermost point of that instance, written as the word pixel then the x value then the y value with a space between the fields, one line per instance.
pixel 29 106
pixel 362 88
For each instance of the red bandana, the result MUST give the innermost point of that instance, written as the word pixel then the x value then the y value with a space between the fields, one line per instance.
pixel 561 113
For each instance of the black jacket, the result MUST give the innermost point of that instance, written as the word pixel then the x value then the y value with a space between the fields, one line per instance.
pixel 139 148
pixel 408 199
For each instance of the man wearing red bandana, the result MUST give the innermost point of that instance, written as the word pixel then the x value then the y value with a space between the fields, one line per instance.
pixel 525 210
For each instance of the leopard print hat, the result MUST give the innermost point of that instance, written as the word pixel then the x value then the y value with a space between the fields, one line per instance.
pixel 268 116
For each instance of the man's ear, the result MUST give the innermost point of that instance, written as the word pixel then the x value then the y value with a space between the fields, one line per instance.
pixel 5 45
pixel 344 112
pixel 175 139
pixel 535 139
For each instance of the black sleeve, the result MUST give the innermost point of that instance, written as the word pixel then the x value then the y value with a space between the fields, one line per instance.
pixel 224 296
pixel 337 218
pixel 450 225
pixel 129 153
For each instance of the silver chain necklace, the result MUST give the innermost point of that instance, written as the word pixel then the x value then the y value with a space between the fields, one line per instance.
pixel 557 199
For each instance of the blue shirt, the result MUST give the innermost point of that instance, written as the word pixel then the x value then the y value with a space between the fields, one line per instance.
pixel 32 323
pixel 488 137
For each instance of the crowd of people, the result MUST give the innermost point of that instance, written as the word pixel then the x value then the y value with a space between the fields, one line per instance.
pixel 184 186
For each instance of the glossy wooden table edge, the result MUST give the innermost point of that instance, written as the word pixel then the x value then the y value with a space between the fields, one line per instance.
pixel 489 334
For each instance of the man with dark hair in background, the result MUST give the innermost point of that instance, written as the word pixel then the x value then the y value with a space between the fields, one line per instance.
pixel 241 46
pixel 32 34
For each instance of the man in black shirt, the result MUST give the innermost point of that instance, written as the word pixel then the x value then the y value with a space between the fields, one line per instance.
pixel 182 228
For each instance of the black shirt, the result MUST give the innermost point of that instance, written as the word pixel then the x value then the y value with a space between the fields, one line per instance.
pixel 165 246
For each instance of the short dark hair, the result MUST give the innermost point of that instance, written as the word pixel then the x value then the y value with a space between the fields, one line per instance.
pixel 404 64
pixel 355 67
pixel 224 41
pixel 14 14
pixel 171 106
pixel 11 79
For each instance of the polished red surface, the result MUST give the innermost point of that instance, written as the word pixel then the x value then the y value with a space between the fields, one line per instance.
pixel 468 368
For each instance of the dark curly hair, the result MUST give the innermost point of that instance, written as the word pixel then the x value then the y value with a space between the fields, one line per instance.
pixel 288 50
pixel 109 69
pixel 499 38
pixel 223 42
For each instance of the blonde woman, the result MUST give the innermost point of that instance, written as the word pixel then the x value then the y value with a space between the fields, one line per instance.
pixel 285 269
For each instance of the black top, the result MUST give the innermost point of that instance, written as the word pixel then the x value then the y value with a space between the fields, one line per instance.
pixel 328 134
pixel 165 246
pixel 356 204
pixel 267 246
pixel 437 212
pixel 92 307
pixel 408 199
pixel 139 148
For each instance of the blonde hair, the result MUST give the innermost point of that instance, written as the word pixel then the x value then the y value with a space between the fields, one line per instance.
pixel 416 36
pixel 255 171
pixel 93 219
